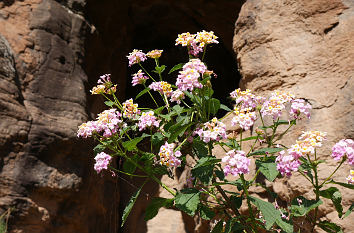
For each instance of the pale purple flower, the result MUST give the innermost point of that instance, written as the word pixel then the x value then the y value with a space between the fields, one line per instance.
pixel 276 104
pixel 86 129
pixel 299 106
pixel 139 78
pixel 106 78
pixel 196 64
pixel 195 48
pixel 147 119
pixel 102 161
pixel 163 87
pixel 130 110
pixel 177 95
pixel 245 118
pixel 236 163
pixel 136 56
pixel 168 157
pixel 350 178
pixel 188 80
pixel 213 130
pixel 342 148
pixel 286 163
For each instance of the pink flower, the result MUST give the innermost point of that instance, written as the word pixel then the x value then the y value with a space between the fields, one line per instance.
pixel 244 117
pixel 136 56
pixel 350 178
pixel 276 104
pixel 299 106
pixel 86 129
pixel 139 78
pixel 188 80
pixel 106 78
pixel 156 53
pixel 213 130
pixel 102 161
pixel 286 164
pixel 168 157
pixel 163 87
pixel 196 64
pixel 342 148
pixel 147 119
pixel 130 110
pixel 237 163
pixel 176 96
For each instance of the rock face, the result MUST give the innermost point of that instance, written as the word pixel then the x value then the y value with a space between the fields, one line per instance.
pixel 305 47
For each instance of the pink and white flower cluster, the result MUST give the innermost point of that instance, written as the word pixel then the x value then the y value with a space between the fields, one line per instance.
pixel 168 157
pixel 244 117
pixel 344 147
pixel 139 78
pixel 237 163
pixel 163 87
pixel 136 57
pixel 246 99
pixel 213 130
pixel 288 161
pixel 188 78
pixel 177 96
pixel 109 122
pixel 130 110
pixel 350 178
pixel 276 104
pixel 299 106
pixel 147 119
pixel 196 42
pixel 102 161
pixel 104 86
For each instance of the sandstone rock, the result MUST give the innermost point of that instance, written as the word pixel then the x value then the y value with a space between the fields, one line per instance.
pixel 305 47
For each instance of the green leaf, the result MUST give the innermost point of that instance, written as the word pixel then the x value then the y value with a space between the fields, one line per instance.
pixel 305 207
pixel 159 110
pixel 99 148
pixel 131 145
pixel 187 200
pixel 129 166
pixel 224 107
pixel 218 227
pixel 157 139
pixel 264 151
pixel 142 93
pixel 130 205
pixel 213 105
pixel 176 67
pixel 249 138
pixel 220 174
pixel 348 211
pixel 334 194
pixel 159 69
pixel 330 227
pixel 268 211
pixel 200 148
pixel 177 130
pixel 109 103
pixel 155 205
pixel 287 227
pixel 349 186
pixel 268 169
pixel 236 201
pixel 203 170
pixel 206 213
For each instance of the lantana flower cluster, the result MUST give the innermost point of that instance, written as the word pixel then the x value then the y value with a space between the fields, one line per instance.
pixel 196 43
pixel 236 163
pixel 102 161
pixel 213 130
pixel 105 86
pixel 188 78
pixel 163 87
pixel 147 119
pixel 344 147
pixel 130 110
pixel 168 157
pixel 139 78
pixel 288 162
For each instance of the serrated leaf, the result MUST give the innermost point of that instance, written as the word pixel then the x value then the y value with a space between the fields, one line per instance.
pixel 177 131
pixel 131 145
pixel 305 207
pixel 206 213
pixel 142 93
pixel 188 200
pixel 264 151
pixel 200 148
pixel 155 205
pixel 213 105
pixel 203 170
pixel 287 227
pixel 268 169
pixel 109 103
pixel 334 194
pixel 330 227
pixel 269 212
pixel 176 67
pixel 224 107
pixel 130 205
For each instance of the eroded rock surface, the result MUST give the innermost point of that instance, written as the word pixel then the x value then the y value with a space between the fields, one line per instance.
pixel 306 47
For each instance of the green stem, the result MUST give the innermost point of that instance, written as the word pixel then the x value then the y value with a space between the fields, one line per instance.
pixel 146 72
pixel 333 172
pixel 151 96
pixel 204 51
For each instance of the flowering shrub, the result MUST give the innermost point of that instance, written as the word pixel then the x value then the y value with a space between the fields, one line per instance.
pixel 154 141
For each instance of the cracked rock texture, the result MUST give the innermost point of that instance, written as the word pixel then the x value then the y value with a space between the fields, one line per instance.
pixel 306 47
